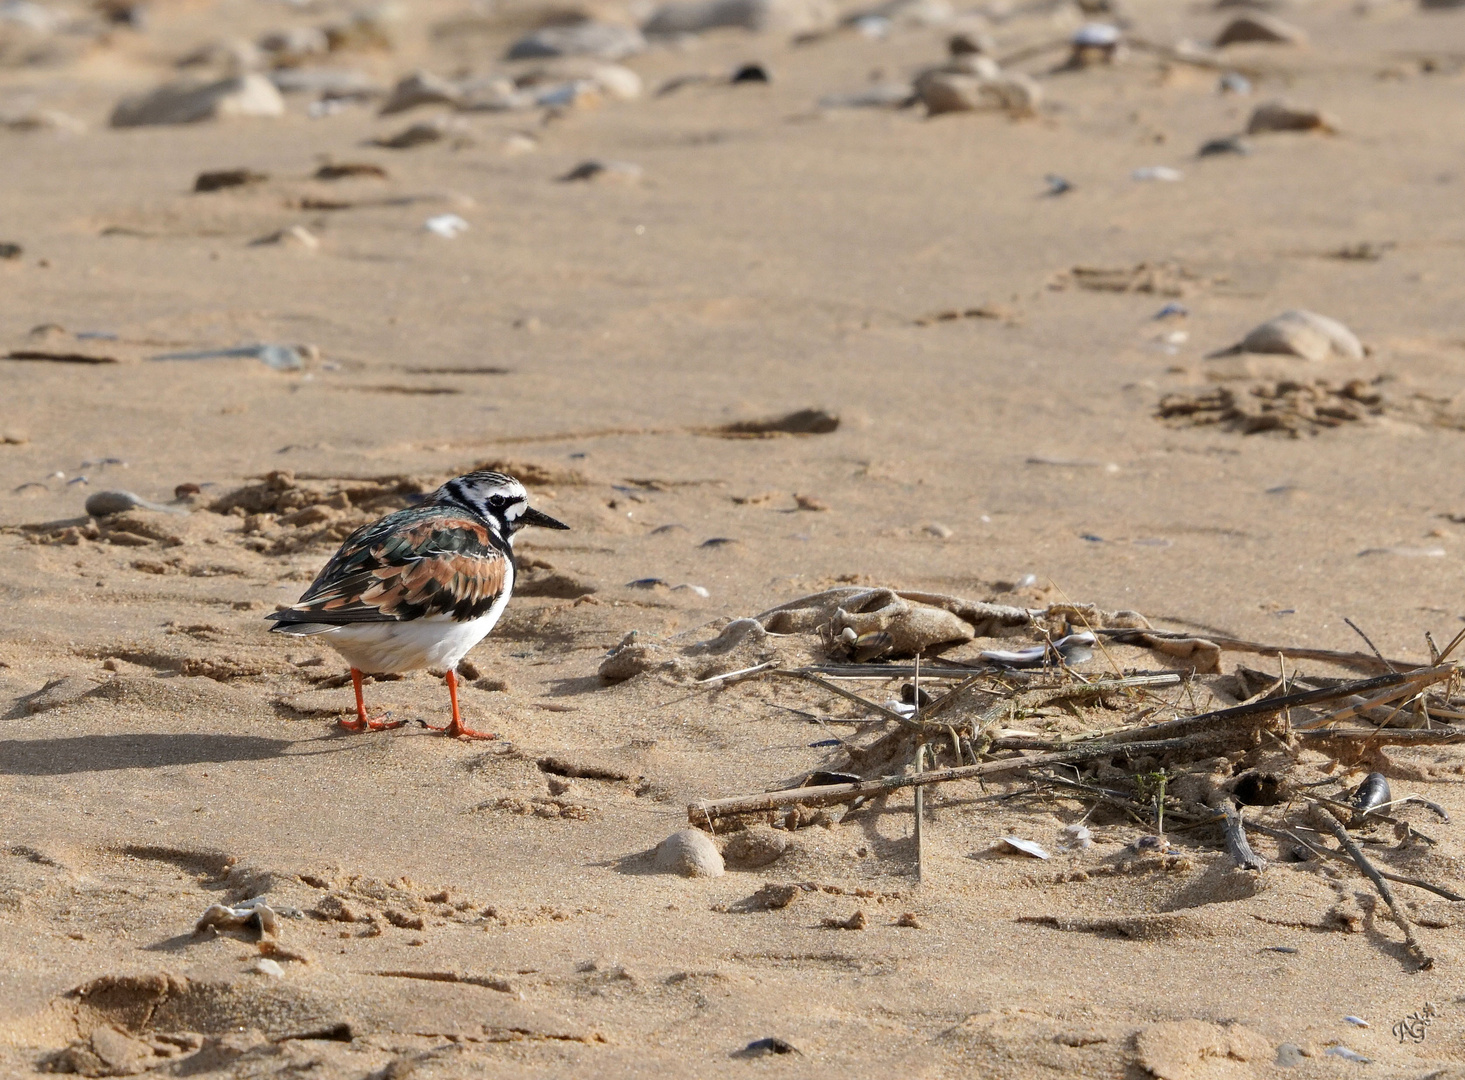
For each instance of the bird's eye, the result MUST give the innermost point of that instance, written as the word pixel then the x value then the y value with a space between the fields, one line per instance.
pixel 497 501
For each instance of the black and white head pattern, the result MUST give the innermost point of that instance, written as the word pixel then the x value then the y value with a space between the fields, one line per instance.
pixel 498 499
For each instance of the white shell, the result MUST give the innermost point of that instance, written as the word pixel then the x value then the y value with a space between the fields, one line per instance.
pixel 1305 334
pixel 1026 847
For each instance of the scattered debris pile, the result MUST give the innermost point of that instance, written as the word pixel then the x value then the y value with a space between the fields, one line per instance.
pixel 1206 754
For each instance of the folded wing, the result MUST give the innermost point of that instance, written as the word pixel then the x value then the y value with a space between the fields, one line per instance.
pixel 410 565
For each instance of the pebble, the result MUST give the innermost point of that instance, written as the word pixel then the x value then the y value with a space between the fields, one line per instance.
pixel 265 966
pixel 1161 173
pixel 420 88
pixel 771 1045
pixel 1282 116
pixel 1057 185
pixel 339 83
pixel 296 236
pixel 188 102
pixel 1233 82
pixel 1305 334
pixel 945 92
pixel 415 135
pixel 938 530
pixel 878 96
pixel 102 503
pixel 608 41
pixel 1259 28
pixel 42 120
pixel 13 437
pixel 689 852
pixel 219 179
pixel 11 251
pixel 750 73
pixel 447 226
pixel 1232 144
pixel 1347 1054
pixel 601 172
pixel 759 16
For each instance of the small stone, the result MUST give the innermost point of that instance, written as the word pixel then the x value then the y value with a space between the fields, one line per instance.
pixel 689 852
pixel 1305 334
pixel 189 102
pixel 601 172
pixel 756 847
pixel 265 966
pixel 760 16
pixel 763 1047
pixel 13 437
pixel 296 236
pixel 416 135
pixel 1260 29
pixel 938 530
pixel 608 41
pixel 1281 116
pixel 750 73
pixel 11 251
pixel 350 169
pixel 909 919
pixel 219 179
pixel 856 921
pixel 809 502
pixel 1230 145
pixel 945 92
pixel 420 88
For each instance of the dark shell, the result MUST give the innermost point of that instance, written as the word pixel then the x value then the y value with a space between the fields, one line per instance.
pixel 1373 792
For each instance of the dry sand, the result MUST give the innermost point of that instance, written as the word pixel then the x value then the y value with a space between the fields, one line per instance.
pixel 770 257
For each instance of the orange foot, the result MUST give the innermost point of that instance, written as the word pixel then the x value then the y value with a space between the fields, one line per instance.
pixel 362 721
pixel 456 730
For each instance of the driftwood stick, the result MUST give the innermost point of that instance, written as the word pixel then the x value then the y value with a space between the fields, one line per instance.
pixel 1327 821
pixel 825 684
pixel 1411 682
pixel 1229 644
pixel 1338 856
pixel 1237 845
pixel 1382 736
pixel 830 794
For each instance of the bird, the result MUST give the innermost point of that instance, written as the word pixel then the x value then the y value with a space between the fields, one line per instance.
pixel 420 587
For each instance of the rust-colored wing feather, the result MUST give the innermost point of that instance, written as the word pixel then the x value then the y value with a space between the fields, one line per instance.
pixel 417 562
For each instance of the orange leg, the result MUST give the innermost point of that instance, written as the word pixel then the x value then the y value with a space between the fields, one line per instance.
pixel 364 722
pixel 456 730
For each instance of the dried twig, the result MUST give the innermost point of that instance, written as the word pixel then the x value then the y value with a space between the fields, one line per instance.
pixel 1237 844
pixel 1338 856
pixel 1333 825
pixel 829 794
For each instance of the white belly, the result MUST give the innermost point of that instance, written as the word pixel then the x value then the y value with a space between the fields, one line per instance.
pixel 437 641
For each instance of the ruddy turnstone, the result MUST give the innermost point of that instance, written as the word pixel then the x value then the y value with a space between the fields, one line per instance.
pixel 420 587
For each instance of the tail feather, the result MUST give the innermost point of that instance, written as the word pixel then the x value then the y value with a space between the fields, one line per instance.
pixel 302 629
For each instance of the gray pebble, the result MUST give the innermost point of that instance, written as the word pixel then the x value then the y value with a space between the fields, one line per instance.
pixel 103 503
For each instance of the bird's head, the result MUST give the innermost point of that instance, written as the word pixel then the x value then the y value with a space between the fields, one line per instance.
pixel 498 499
